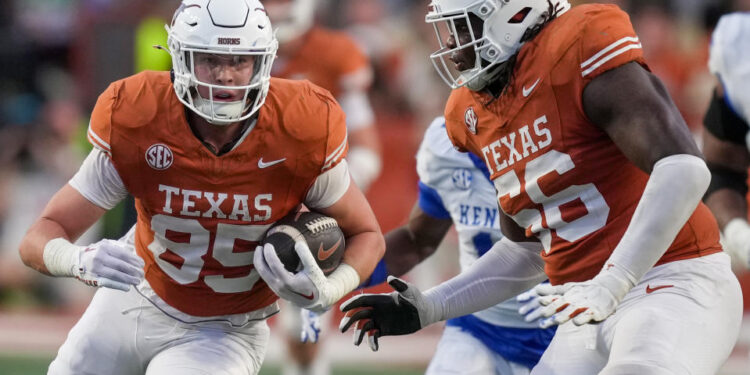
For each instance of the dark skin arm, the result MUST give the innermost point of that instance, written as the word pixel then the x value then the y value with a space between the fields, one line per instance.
pixel 726 204
pixel 512 231
pixel 409 245
pixel 633 107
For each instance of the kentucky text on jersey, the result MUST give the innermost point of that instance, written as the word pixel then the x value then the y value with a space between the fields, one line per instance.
pixel 182 201
pixel 506 151
pixel 478 215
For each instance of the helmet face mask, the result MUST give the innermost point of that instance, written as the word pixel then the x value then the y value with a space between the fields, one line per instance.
pixel 222 52
pixel 503 26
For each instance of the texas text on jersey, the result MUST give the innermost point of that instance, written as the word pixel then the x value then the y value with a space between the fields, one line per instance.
pixel 558 175
pixel 196 229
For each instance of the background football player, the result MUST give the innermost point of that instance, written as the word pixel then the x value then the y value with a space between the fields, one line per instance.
pixel 332 60
pixel 599 181
pixel 726 140
pixel 455 189
pixel 214 154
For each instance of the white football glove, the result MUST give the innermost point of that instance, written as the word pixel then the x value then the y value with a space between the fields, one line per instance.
pixel 309 288
pixel 310 326
pixel 583 302
pixel 737 240
pixel 107 263
pixel 530 306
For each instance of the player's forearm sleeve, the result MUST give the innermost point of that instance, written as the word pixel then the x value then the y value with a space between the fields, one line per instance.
pixel 674 189
pixel 508 269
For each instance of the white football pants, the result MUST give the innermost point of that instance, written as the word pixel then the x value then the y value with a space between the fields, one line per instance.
pixel 122 333
pixel 460 353
pixel 682 318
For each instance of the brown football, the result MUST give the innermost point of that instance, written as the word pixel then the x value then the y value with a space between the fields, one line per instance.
pixel 322 234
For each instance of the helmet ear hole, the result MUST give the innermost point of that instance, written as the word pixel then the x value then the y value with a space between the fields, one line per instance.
pixel 520 16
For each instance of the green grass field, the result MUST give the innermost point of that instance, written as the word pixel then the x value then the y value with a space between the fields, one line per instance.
pixel 29 365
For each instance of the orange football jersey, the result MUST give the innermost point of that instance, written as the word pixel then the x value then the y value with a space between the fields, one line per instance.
pixel 325 58
pixel 201 215
pixel 558 175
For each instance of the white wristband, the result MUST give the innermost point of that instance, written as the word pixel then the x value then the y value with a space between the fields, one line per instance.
pixel 61 257
pixel 342 281
pixel 737 239
pixel 364 166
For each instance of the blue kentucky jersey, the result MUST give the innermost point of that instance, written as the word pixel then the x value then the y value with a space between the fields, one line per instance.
pixel 456 185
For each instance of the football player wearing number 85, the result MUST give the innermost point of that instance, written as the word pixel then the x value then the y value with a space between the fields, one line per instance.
pixel 214 153
pixel 599 182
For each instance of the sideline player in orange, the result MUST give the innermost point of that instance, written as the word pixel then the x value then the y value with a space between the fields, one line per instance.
pixel 214 154
pixel 600 184
pixel 332 60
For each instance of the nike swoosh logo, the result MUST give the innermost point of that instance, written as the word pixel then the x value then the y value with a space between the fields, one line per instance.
pixel 650 290
pixel 310 297
pixel 262 164
pixel 323 254
pixel 527 91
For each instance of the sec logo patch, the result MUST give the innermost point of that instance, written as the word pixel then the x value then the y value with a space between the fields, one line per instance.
pixel 471 120
pixel 462 178
pixel 159 156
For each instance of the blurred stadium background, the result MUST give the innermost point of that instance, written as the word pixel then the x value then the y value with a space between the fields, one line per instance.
pixel 58 55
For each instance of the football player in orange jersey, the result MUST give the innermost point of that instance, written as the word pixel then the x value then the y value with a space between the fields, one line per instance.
pixel 600 184
pixel 333 61
pixel 214 154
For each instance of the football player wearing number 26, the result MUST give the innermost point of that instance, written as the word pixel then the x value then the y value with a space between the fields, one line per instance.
pixel 214 154
pixel 600 184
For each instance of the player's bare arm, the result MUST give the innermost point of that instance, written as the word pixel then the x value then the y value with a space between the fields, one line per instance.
pixel 67 215
pixel 512 231
pixel 414 242
pixel 47 247
pixel 639 116
pixel 730 159
pixel 364 241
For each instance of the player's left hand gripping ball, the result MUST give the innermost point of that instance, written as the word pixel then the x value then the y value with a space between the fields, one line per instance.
pixel 397 313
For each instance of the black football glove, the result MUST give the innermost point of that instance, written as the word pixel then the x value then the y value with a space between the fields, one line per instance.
pixel 397 313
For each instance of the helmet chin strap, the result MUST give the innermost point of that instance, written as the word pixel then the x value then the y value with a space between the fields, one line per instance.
pixel 480 81
pixel 222 111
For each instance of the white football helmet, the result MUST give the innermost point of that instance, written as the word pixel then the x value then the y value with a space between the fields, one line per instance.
pixel 504 24
pixel 292 18
pixel 221 27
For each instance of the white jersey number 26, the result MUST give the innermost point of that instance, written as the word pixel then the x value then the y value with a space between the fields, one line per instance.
pixel 554 161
